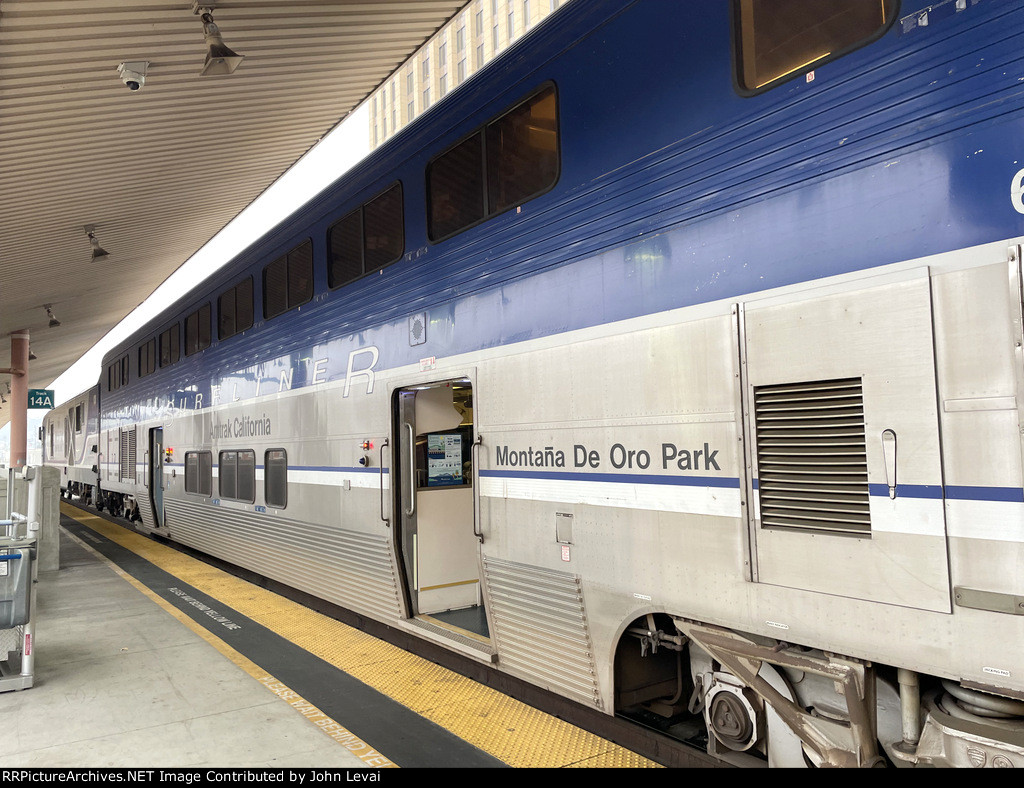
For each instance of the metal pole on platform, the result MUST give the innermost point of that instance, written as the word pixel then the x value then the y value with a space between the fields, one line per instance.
pixel 35 483
pixel 19 398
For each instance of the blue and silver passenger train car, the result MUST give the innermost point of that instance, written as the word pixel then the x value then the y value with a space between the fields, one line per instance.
pixel 70 438
pixel 674 363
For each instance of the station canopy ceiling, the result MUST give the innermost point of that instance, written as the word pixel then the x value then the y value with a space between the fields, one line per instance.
pixel 159 171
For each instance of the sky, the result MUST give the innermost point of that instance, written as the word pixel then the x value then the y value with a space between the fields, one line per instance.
pixel 335 154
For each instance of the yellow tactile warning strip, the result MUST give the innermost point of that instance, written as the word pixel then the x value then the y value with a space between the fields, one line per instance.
pixel 512 732
pixel 340 734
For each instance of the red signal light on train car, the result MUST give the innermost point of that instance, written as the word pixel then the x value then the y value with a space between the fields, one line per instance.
pixel 366 445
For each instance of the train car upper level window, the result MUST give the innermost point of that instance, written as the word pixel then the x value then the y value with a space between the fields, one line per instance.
pixel 117 374
pixel 367 239
pixel 522 153
pixel 455 188
pixel 147 358
pixel 170 346
pixel 512 159
pixel 779 38
pixel 275 478
pixel 234 309
pixel 197 330
pixel 288 281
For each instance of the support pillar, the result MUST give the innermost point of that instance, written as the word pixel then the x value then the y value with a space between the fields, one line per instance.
pixel 19 398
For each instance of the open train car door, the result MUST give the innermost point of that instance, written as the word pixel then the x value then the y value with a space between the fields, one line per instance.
pixel 843 450
pixel 155 472
pixel 435 493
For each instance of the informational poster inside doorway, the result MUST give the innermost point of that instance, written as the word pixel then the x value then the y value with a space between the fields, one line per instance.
pixel 444 460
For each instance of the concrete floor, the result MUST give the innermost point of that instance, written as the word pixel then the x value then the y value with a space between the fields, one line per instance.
pixel 121 683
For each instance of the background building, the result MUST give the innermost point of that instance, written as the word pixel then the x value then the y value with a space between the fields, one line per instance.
pixel 475 36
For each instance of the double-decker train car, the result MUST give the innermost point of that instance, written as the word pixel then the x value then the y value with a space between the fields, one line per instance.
pixel 70 438
pixel 674 363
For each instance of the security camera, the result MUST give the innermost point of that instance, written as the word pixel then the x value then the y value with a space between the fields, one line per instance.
pixel 133 73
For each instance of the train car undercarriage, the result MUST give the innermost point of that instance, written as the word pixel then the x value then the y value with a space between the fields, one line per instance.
pixel 745 697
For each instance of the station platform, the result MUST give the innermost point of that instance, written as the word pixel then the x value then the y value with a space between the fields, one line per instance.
pixel 147 657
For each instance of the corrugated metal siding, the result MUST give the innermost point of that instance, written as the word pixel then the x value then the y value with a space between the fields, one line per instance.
pixel 540 627
pixel 349 568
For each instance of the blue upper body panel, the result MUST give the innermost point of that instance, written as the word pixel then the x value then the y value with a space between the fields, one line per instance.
pixel 674 190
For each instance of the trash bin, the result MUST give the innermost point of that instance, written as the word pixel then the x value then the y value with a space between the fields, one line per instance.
pixel 16 570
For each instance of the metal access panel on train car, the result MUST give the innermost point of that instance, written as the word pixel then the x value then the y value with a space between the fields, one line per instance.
pixel 843 448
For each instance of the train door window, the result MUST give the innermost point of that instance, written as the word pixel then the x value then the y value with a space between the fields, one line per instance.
pixel 367 239
pixel 455 188
pixel 522 152
pixel 197 330
pixel 78 418
pixel 275 478
pixel 782 38
pixel 199 473
pixel 234 309
pixel 288 281
pixel 170 346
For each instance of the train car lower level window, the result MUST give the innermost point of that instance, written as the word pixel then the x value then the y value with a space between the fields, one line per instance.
pixel 238 475
pixel 275 478
pixel 780 38
pixel 199 473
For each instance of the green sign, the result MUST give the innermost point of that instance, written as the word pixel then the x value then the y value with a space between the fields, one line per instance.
pixel 40 398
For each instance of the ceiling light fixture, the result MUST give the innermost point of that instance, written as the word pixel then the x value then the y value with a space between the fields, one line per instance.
pixel 219 58
pixel 54 322
pixel 97 250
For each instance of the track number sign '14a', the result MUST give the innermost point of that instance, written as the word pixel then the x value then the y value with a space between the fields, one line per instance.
pixel 40 398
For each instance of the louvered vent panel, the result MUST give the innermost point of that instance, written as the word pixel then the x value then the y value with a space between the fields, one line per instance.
pixel 540 628
pixel 131 456
pixel 812 456
pixel 124 459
